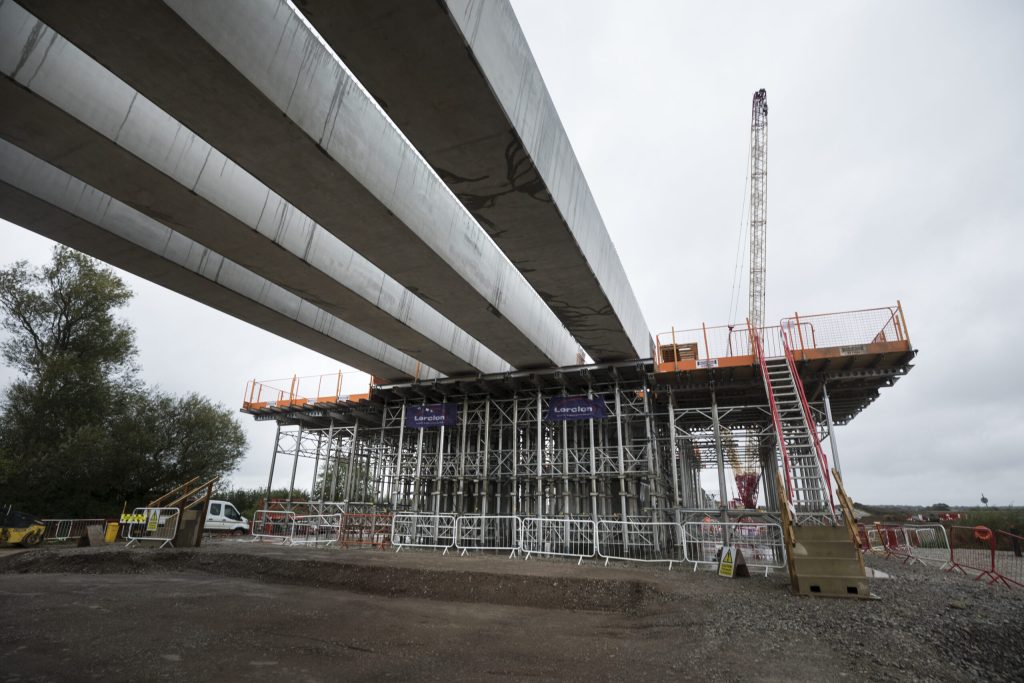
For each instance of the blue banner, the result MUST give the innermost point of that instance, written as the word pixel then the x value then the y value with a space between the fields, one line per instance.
pixel 564 408
pixel 433 415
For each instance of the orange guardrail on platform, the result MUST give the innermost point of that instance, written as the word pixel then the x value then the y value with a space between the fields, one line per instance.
pixel 303 391
pixel 729 345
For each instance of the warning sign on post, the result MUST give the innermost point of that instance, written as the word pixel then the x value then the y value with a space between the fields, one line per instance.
pixel 154 520
pixel 731 562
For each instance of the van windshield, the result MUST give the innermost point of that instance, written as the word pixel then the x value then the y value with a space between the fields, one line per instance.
pixel 231 513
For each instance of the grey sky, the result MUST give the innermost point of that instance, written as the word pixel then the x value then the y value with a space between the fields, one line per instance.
pixel 894 142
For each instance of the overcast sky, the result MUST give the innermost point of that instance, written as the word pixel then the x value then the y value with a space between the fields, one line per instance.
pixel 895 138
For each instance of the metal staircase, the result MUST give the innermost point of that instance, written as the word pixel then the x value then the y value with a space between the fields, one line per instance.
pixel 808 486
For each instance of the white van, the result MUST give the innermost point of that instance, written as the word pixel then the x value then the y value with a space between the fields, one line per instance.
pixel 222 516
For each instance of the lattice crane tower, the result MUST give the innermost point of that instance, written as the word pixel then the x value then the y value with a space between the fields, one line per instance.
pixel 758 204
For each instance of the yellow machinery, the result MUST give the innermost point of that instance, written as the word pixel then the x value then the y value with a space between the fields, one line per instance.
pixel 19 528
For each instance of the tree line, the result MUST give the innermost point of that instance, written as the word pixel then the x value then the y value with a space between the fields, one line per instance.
pixel 80 433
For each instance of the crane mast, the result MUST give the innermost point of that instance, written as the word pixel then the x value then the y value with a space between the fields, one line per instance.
pixel 758 204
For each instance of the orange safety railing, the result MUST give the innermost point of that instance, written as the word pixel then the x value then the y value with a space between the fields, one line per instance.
pixel 301 391
pixel 721 341
pixel 803 333
pixel 848 329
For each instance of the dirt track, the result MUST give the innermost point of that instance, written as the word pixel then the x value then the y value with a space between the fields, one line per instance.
pixel 239 611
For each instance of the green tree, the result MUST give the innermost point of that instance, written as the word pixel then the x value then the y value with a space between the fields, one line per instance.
pixel 80 433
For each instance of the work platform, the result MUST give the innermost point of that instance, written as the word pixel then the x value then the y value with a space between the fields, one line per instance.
pixel 648 431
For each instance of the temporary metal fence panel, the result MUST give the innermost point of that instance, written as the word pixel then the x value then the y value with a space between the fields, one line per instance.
pixel 487 532
pixel 415 530
pixel 58 530
pixel 1009 558
pixel 157 525
pixel 272 525
pixel 762 544
pixel 366 529
pixel 874 540
pixel 928 544
pixel 640 541
pixel 972 551
pixel 315 529
pixel 560 536
pixel 894 541
pixel 864 538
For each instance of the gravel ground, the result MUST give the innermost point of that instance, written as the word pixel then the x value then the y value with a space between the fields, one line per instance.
pixel 230 609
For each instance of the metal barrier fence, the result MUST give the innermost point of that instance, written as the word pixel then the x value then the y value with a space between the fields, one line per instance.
pixel 487 532
pixel 558 536
pixel 315 529
pixel 640 541
pixel 366 529
pixel 864 538
pixel 415 530
pixel 1008 558
pixel 894 541
pixel 58 530
pixel 762 545
pixel 928 544
pixel 272 524
pixel 160 524
pixel 972 551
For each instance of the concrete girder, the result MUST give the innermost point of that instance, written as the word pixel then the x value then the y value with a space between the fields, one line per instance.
pixel 227 71
pixel 459 79
pixel 72 111
pixel 46 200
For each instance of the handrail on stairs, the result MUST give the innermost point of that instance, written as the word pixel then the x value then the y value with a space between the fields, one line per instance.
pixel 759 351
pixel 809 420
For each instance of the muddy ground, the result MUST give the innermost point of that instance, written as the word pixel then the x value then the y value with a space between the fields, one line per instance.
pixel 242 611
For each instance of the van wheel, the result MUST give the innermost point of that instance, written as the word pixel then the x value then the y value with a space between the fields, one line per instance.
pixel 238 532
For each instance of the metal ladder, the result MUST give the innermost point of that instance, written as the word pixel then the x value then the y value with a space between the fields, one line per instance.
pixel 804 463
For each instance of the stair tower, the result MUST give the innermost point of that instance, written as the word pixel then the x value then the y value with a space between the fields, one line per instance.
pixel 807 484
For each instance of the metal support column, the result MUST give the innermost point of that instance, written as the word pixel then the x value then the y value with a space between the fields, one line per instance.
pixel 486 456
pixel 593 464
pixel 565 468
pixel 515 455
pixel 540 457
pixel 439 478
pixel 399 481
pixel 674 452
pixel 295 463
pixel 723 494
pixel 460 504
pixel 831 429
pixel 316 466
pixel 350 475
pixel 621 451
pixel 418 483
pixel 334 458
pixel 273 464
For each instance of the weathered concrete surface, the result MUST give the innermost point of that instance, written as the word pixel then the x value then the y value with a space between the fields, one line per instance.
pixel 46 200
pixel 333 154
pixel 75 113
pixel 460 81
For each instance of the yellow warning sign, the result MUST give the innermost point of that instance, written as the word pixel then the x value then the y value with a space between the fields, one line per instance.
pixel 133 519
pixel 731 562
pixel 153 520
pixel 727 564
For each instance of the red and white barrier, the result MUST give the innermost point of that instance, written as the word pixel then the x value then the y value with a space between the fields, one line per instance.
pixel 995 555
